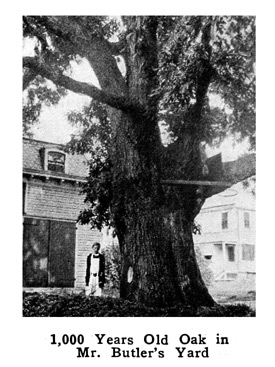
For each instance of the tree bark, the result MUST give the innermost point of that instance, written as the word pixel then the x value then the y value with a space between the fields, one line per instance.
pixel 153 223
pixel 159 266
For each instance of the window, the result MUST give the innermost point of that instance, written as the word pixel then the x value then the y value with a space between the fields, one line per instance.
pixel 248 252
pixel 224 220
pixel 246 220
pixel 56 161
pixel 230 250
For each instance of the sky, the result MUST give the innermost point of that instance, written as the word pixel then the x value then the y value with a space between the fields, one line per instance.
pixel 53 125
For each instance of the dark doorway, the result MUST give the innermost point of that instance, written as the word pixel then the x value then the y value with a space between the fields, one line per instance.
pixel 48 253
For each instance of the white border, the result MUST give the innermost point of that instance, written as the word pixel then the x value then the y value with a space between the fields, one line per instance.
pixel 27 341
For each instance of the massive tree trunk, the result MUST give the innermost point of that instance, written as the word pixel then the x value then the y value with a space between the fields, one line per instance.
pixel 158 260
pixel 153 222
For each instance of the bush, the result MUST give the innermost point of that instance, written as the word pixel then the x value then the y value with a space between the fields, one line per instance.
pixel 112 268
pixel 206 272
pixel 49 305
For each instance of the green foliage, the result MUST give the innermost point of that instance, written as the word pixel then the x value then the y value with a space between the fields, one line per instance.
pixel 112 267
pixel 191 50
pixel 43 305
pixel 95 127
pixel 198 57
pixel 238 310
pixel 206 273
pixel 66 38
pixel 39 94
pixel 95 139
pixel 221 49
pixel 98 191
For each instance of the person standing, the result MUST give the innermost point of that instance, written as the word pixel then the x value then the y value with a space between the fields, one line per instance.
pixel 95 271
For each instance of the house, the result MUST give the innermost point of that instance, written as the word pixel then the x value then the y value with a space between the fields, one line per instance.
pixel 227 239
pixel 55 246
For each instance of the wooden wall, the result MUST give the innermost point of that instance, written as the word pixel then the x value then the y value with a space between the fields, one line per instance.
pixel 56 200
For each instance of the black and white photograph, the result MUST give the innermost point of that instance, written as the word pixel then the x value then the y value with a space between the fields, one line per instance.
pixel 130 228
pixel 139 143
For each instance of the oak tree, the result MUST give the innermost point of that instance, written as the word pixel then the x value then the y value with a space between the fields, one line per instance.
pixel 155 73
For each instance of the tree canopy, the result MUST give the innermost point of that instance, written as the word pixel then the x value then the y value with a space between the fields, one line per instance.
pixel 220 51
pixel 197 57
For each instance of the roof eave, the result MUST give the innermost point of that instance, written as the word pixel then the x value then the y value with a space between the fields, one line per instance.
pixel 51 175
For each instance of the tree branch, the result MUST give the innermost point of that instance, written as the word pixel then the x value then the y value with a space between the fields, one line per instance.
pixel 117 48
pixel 204 74
pixel 205 71
pixel 35 31
pixel 28 77
pixel 37 67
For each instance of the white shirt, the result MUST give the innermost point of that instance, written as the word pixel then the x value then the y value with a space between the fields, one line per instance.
pixel 94 264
